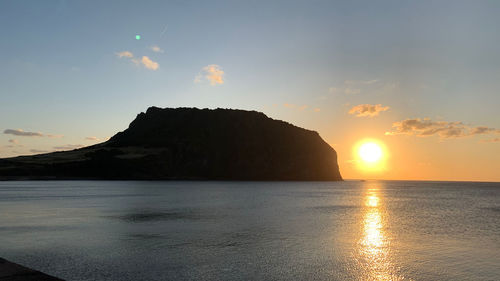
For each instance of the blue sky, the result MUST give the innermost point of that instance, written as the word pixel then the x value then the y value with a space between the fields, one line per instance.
pixel 306 62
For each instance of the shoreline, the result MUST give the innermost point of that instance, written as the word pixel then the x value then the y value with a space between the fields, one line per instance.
pixel 10 271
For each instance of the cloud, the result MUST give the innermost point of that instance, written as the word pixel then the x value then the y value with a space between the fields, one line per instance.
pixel 317 109
pixel 491 140
pixel 368 110
pixel 92 138
pixel 156 49
pixel 38 151
pixel 19 132
pixel 426 127
pixel 125 54
pixel 55 136
pixel 68 147
pixel 483 130
pixel 149 64
pixel 13 143
pixel 145 61
pixel 22 133
pixel 212 73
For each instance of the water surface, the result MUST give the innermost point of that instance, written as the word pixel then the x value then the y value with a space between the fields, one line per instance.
pixel 373 230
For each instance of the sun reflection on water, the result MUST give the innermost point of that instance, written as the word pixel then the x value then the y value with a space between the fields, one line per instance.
pixel 374 243
pixel 373 239
pixel 372 201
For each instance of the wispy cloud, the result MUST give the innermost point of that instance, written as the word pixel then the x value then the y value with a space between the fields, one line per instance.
pixel 22 133
pixel 125 54
pixel 19 132
pixel 212 73
pixel 483 130
pixel 13 143
pixel 156 49
pixel 92 138
pixel 368 110
pixel 491 140
pixel 426 127
pixel 55 136
pixel 68 147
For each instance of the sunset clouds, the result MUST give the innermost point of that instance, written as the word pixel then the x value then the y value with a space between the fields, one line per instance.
pixel 125 54
pixel 491 140
pixel 149 64
pixel 444 129
pixel 156 49
pixel 145 61
pixel 368 110
pixel 212 73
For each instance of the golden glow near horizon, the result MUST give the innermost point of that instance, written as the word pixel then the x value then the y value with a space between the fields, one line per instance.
pixel 370 155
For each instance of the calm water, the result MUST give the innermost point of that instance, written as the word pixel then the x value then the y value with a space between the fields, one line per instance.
pixel 374 230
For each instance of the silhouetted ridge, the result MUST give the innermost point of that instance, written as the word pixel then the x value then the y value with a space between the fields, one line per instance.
pixel 191 143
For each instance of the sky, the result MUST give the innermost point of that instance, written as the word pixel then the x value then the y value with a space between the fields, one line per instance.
pixel 420 78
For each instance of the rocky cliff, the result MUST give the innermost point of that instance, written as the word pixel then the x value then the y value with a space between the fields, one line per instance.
pixel 190 143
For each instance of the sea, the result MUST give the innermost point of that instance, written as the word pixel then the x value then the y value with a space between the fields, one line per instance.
pixel 166 230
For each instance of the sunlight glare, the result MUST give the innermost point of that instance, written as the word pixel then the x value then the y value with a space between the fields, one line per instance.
pixel 370 152
pixel 370 156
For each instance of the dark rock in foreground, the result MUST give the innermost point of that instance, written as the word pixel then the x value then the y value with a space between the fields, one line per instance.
pixel 14 272
pixel 190 143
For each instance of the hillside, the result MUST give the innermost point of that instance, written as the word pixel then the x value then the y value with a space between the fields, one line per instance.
pixel 191 144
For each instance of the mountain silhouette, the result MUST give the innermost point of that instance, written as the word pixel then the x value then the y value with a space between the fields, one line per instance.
pixel 191 144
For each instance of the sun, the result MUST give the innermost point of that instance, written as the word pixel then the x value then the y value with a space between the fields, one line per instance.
pixel 371 156
pixel 370 152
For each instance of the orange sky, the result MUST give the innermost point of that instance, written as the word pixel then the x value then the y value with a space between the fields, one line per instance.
pixel 408 157
pixel 421 77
